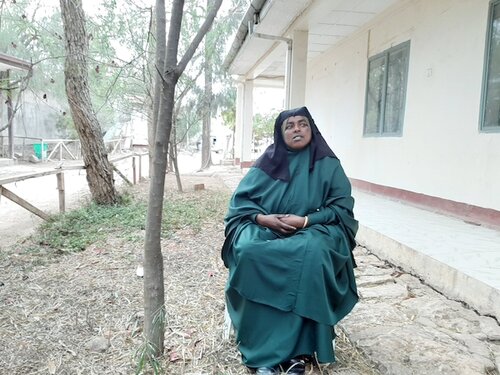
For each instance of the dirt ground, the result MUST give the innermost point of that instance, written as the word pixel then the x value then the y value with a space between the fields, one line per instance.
pixel 82 313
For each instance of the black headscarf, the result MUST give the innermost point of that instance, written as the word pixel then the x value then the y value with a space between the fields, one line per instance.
pixel 274 161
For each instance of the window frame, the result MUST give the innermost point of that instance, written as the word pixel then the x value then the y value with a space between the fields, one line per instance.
pixel 404 46
pixel 486 69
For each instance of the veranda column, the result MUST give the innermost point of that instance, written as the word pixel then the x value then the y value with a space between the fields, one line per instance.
pixel 246 151
pixel 238 130
pixel 299 69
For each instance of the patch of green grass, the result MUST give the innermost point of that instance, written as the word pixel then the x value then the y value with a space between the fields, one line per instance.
pixel 192 210
pixel 77 229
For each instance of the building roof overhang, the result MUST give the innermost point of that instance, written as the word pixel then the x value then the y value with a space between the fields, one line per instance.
pixel 327 22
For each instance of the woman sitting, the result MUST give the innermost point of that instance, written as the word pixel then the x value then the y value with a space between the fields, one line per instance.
pixel 289 237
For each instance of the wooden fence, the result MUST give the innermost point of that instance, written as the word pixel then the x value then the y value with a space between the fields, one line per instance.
pixel 59 172
pixel 55 149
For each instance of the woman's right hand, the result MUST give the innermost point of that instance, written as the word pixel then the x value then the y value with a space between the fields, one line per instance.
pixel 275 223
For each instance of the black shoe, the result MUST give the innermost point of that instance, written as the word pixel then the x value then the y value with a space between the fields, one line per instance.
pixel 267 370
pixel 294 366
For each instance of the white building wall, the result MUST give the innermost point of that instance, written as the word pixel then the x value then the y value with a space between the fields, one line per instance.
pixel 441 152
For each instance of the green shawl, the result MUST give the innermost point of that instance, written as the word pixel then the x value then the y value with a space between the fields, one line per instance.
pixel 309 273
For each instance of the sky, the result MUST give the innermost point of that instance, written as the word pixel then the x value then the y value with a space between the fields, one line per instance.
pixel 268 100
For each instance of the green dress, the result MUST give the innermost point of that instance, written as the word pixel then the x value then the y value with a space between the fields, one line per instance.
pixel 285 293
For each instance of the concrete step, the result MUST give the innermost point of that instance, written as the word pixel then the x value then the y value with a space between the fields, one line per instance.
pixel 459 259
pixel 5 162
pixel 227 162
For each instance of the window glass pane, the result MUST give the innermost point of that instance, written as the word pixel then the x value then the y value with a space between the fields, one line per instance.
pixel 492 102
pixel 376 71
pixel 396 88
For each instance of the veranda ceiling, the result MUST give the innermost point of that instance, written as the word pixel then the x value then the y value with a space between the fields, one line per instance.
pixel 327 21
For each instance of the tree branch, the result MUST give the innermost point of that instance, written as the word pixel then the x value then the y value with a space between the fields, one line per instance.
pixel 199 37
pixel 174 32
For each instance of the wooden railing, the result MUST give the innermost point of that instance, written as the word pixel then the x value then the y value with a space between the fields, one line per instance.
pixel 59 172
pixel 54 149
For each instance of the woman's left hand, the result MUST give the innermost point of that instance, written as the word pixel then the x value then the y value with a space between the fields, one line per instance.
pixel 293 220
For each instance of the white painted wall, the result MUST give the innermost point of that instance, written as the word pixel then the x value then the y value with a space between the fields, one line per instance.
pixel 441 152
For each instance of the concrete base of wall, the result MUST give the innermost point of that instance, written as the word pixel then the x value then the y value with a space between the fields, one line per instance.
pixel 467 212
pixel 246 164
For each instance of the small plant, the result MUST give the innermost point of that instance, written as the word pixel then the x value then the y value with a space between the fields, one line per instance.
pixel 144 356
pixel 146 353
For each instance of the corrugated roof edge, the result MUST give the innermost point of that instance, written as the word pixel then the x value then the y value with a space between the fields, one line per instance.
pixel 255 7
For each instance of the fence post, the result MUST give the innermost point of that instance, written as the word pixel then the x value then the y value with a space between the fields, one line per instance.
pixel 140 167
pixel 134 172
pixel 42 148
pixel 60 188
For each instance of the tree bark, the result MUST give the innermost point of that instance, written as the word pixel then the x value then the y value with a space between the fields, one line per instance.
pixel 150 74
pixel 174 144
pixel 95 158
pixel 173 157
pixel 154 295
pixel 161 45
pixel 206 140
pixel 10 115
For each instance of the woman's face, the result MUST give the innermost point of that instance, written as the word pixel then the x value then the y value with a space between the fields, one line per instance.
pixel 296 132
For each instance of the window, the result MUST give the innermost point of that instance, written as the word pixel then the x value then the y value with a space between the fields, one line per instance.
pixel 386 91
pixel 490 114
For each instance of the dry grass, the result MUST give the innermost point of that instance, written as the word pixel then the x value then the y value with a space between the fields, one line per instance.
pixel 53 305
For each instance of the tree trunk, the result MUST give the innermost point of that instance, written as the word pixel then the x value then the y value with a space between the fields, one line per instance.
pixel 174 144
pixel 170 164
pixel 151 96
pixel 10 116
pixel 161 42
pixel 2 100
pixel 206 140
pixel 95 158
pixel 154 297
pixel 151 132
pixel 173 156
pixel 154 290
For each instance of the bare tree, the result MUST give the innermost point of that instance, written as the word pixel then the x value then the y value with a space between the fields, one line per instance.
pixel 154 297
pixel 206 140
pixel 99 169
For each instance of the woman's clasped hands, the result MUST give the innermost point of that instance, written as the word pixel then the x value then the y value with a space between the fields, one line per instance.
pixel 281 223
